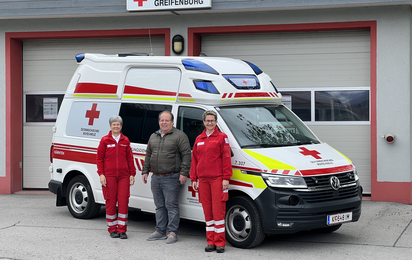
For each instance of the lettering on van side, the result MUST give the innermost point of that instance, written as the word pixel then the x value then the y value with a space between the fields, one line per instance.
pixel 139 150
pixel 89 131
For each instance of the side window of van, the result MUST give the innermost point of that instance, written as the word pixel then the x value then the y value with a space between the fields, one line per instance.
pixel 190 121
pixel 140 120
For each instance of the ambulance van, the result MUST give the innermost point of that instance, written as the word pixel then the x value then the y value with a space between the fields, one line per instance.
pixel 285 180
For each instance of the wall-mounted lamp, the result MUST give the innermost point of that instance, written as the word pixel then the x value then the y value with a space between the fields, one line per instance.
pixel 389 138
pixel 177 44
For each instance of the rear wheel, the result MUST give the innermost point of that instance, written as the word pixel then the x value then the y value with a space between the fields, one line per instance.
pixel 80 200
pixel 243 223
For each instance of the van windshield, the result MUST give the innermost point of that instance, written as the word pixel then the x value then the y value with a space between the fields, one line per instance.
pixel 256 126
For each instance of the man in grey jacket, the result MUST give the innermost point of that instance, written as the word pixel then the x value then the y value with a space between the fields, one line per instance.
pixel 168 156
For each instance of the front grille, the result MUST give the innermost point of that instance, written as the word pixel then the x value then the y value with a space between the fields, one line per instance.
pixel 320 190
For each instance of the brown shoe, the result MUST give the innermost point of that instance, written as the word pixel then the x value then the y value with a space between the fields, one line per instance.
pixel 220 249
pixel 210 248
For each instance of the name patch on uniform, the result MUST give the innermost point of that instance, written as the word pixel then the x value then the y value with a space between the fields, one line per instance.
pixel 201 143
pixel 111 145
pixel 227 140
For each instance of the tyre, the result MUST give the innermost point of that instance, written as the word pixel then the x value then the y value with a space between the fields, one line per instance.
pixel 329 229
pixel 243 223
pixel 80 200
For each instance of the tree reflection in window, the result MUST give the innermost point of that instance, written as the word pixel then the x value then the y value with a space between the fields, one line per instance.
pixel 266 134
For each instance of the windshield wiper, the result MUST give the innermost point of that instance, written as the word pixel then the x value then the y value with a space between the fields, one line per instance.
pixel 263 145
pixel 301 143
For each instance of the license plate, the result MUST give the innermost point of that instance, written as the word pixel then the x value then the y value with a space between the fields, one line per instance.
pixel 339 218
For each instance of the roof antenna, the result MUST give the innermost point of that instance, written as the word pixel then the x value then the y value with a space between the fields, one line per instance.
pixel 150 40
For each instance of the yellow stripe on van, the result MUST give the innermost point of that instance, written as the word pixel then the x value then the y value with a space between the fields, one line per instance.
pixel 186 99
pixel 270 163
pixel 257 181
pixel 150 98
pixel 102 96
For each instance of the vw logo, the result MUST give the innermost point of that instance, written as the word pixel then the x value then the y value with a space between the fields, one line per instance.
pixel 334 182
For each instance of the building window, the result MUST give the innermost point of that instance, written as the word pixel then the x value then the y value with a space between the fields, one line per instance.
pixel 42 107
pixel 341 105
pixel 299 102
pixel 347 105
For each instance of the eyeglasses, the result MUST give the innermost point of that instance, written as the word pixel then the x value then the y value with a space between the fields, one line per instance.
pixel 209 121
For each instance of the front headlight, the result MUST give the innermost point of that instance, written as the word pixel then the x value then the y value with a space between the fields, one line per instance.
pixel 284 181
pixel 354 175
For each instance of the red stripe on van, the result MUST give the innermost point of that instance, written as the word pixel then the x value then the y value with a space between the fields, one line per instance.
pixel 87 87
pixel 258 94
pixel 68 146
pixel 184 95
pixel 138 165
pixel 144 91
pixel 327 170
pixel 238 183
pixel 76 156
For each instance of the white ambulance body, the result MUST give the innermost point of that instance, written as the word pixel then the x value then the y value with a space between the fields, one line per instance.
pixel 285 179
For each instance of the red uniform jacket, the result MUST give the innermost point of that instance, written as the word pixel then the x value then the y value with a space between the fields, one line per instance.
pixel 115 159
pixel 211 156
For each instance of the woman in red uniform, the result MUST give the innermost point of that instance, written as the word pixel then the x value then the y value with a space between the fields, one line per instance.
pixel 210 172
pixel 116 169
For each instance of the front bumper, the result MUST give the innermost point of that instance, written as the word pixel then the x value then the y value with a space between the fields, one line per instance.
pixel 281 215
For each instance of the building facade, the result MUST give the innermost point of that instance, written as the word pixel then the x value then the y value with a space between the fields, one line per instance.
pixel 343 66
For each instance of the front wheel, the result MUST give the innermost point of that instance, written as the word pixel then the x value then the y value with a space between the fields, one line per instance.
pixel 243 223
pixel 80 200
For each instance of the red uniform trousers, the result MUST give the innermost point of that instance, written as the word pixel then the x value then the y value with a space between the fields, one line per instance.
pixel 117 190
pixel 213 200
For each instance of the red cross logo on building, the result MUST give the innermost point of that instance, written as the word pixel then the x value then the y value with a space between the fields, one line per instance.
pixel 193 191
pixel 307 152
pixel 92 114
pixel 140 2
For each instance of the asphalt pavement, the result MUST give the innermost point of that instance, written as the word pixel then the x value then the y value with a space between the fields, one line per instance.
pixel 32 227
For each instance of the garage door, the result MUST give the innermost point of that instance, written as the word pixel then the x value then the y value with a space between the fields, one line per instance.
pixel 48 66
pixel 311 68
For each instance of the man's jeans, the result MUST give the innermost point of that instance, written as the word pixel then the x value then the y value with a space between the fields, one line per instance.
pixel 166 198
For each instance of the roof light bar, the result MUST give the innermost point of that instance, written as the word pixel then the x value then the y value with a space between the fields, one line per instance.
pixel 243 81
pixel 254 68
pixel 198 66
pixel 80 57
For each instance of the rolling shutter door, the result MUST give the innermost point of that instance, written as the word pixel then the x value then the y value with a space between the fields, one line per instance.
pixel 305 60
pixel 48 66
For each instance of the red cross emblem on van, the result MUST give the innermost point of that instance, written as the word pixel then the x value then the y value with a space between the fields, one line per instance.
pixel 307 152
pixel 92 114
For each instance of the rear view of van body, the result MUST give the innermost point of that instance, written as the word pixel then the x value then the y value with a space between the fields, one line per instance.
pixel 285 179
